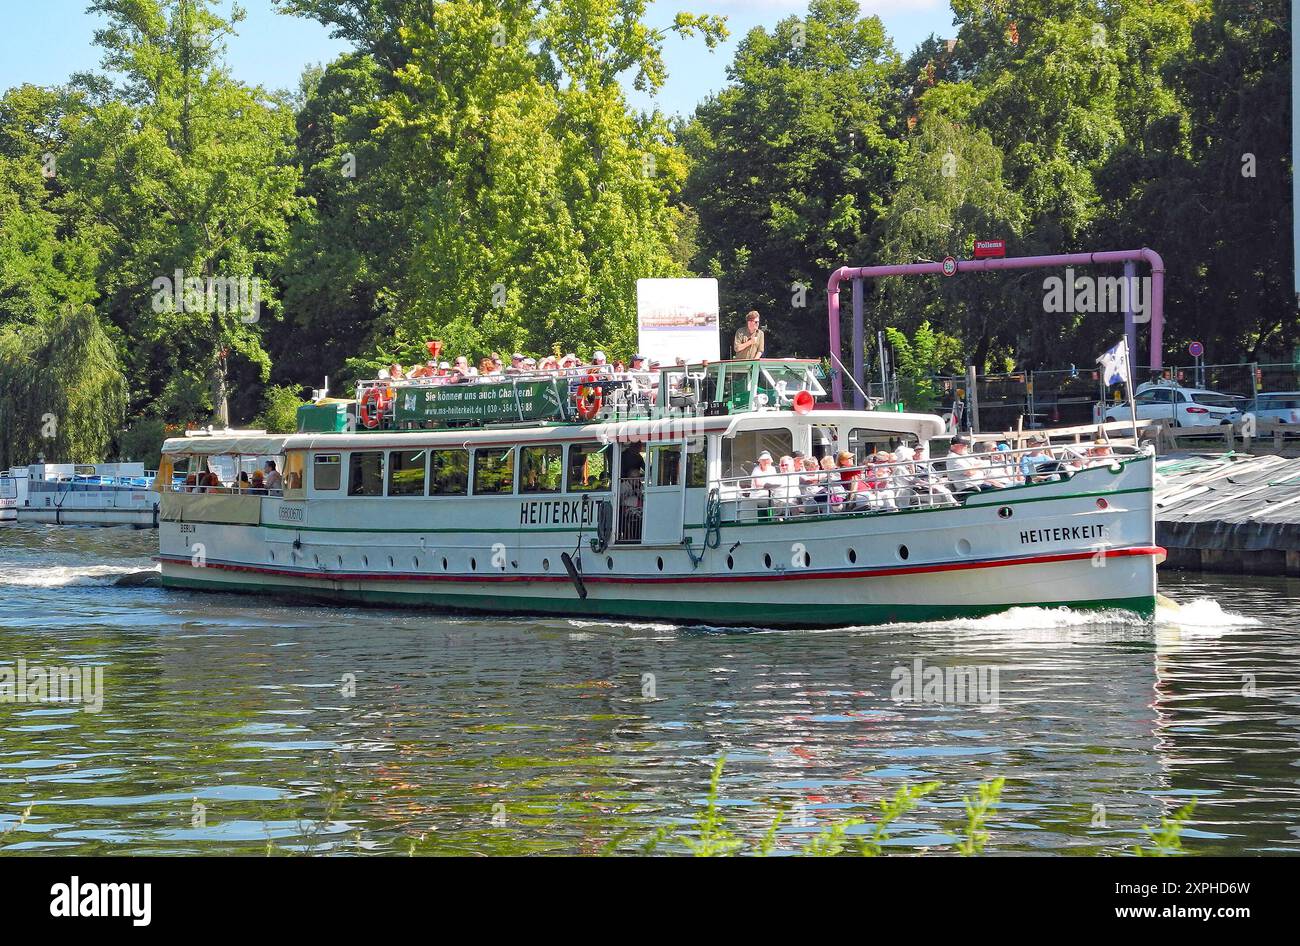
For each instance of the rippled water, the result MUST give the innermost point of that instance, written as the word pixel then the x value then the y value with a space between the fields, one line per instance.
pixel 229 724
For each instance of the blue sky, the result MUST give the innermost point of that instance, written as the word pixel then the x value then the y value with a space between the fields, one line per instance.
pixel 44 42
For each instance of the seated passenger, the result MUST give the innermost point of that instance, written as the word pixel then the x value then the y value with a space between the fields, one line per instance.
pixel 1038 465
pixel 996 475
pixel 852 485
pixel 879 481
pixel 965 472
pixel 764 479
pixel 786 498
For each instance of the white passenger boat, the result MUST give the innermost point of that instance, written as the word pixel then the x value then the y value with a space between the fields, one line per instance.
pixel 88 494
pixel 635 496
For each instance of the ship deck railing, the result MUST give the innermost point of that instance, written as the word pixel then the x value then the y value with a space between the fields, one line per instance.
pixel 903 484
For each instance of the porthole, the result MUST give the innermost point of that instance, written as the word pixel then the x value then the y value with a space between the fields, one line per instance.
pixel 473 564
pixel 1102 504
pixel 365 560
pixel 660 562
pixel 609 562
pixel 415 561
pixel 390 561
pixel 546 564
pixel 853 556
pixel 731 562
pixel 903 552
pixel 807 559
pixel 340 558
pixel 444 564
pixel 1006 512
pixel 316 559
pixel 767 560
pixel 963 546
pixel 270 556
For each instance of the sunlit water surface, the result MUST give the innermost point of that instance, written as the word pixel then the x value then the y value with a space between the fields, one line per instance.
pixel 234 724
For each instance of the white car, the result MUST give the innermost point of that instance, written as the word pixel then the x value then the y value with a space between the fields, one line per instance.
pixel 1187 407
pixel 1281 406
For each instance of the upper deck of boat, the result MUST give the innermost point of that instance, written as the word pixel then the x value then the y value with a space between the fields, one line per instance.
pixel 679 402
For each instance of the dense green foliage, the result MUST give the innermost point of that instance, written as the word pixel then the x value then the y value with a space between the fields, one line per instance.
pixel 472 170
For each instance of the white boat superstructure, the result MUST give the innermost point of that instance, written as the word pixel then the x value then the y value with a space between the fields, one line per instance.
pixel 659 509
pixel 98 494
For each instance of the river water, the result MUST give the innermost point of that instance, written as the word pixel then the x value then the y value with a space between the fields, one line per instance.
pixel 233 724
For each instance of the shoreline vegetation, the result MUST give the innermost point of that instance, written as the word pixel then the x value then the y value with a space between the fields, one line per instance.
pixel 475 174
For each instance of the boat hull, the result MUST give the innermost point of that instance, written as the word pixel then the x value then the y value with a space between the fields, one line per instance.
pixel 940 591
pixel 1086 542
pixel 139 518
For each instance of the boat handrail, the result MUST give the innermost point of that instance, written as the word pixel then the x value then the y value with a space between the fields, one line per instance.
pixel 886 486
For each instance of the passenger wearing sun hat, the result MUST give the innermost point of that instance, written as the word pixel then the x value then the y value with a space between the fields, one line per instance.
pixel 765 475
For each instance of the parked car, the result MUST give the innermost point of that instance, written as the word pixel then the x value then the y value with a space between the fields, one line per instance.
pixel 1281 406
pixel 1188 407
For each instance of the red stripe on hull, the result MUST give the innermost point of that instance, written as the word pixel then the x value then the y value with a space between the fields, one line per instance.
pixel 797 575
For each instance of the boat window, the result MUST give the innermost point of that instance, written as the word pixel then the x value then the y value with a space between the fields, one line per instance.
pixel 366 474
pixel 863 441
pixel 494 470
pixel 406 472
pixel 448 472
pixel 541 468
pixel 293 464
pixel 740 453
pixel 737 386
pixel 589 467
pixel 697 463
pixel 326 471
pixel 667 460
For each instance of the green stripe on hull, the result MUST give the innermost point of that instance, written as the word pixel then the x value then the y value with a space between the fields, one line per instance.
pixel 765 614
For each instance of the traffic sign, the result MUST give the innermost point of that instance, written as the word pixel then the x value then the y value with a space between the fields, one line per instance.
pixel 949 266
pixel 1196 349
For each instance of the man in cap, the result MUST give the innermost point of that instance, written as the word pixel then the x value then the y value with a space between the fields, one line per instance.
pixel 638 363
pixel 965 472
pixel 598 358
pixel 749 341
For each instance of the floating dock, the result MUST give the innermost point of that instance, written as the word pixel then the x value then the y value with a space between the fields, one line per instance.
pixel 1229 512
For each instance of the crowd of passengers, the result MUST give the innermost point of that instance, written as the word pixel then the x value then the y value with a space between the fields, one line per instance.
pixel 450 372
pixel 264 482
pixel 803 485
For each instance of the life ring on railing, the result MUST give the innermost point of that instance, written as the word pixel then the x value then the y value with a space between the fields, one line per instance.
pixel 373 405
pixel 588 399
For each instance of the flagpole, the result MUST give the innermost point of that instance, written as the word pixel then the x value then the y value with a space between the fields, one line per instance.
pixel 1128 385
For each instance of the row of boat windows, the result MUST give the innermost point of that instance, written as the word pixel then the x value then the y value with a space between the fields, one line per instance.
pixel 542 468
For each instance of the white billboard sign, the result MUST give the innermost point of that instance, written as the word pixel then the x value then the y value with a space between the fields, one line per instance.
pixel 677 318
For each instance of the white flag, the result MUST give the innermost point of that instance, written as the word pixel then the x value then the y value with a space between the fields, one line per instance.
pixel 1114 363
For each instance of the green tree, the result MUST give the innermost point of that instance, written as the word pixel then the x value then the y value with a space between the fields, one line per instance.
pixel 62 393
pixel 186 170
pixel 918 359
pixel 791 165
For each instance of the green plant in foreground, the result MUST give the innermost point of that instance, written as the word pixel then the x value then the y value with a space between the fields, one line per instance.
pixel 715 838
pixel 891 809
pixel 1166 839
pixel 977 812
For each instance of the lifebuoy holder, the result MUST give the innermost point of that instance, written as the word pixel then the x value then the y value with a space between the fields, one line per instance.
pixel 373 405
pixel 588 398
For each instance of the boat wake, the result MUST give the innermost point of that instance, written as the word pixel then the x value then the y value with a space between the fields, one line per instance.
pixel 64 576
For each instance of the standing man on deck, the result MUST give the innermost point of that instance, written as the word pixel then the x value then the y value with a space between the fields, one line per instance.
pixel 749 341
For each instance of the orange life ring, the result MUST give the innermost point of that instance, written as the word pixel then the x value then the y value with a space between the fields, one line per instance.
pixel 377 398
pixel 587 400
